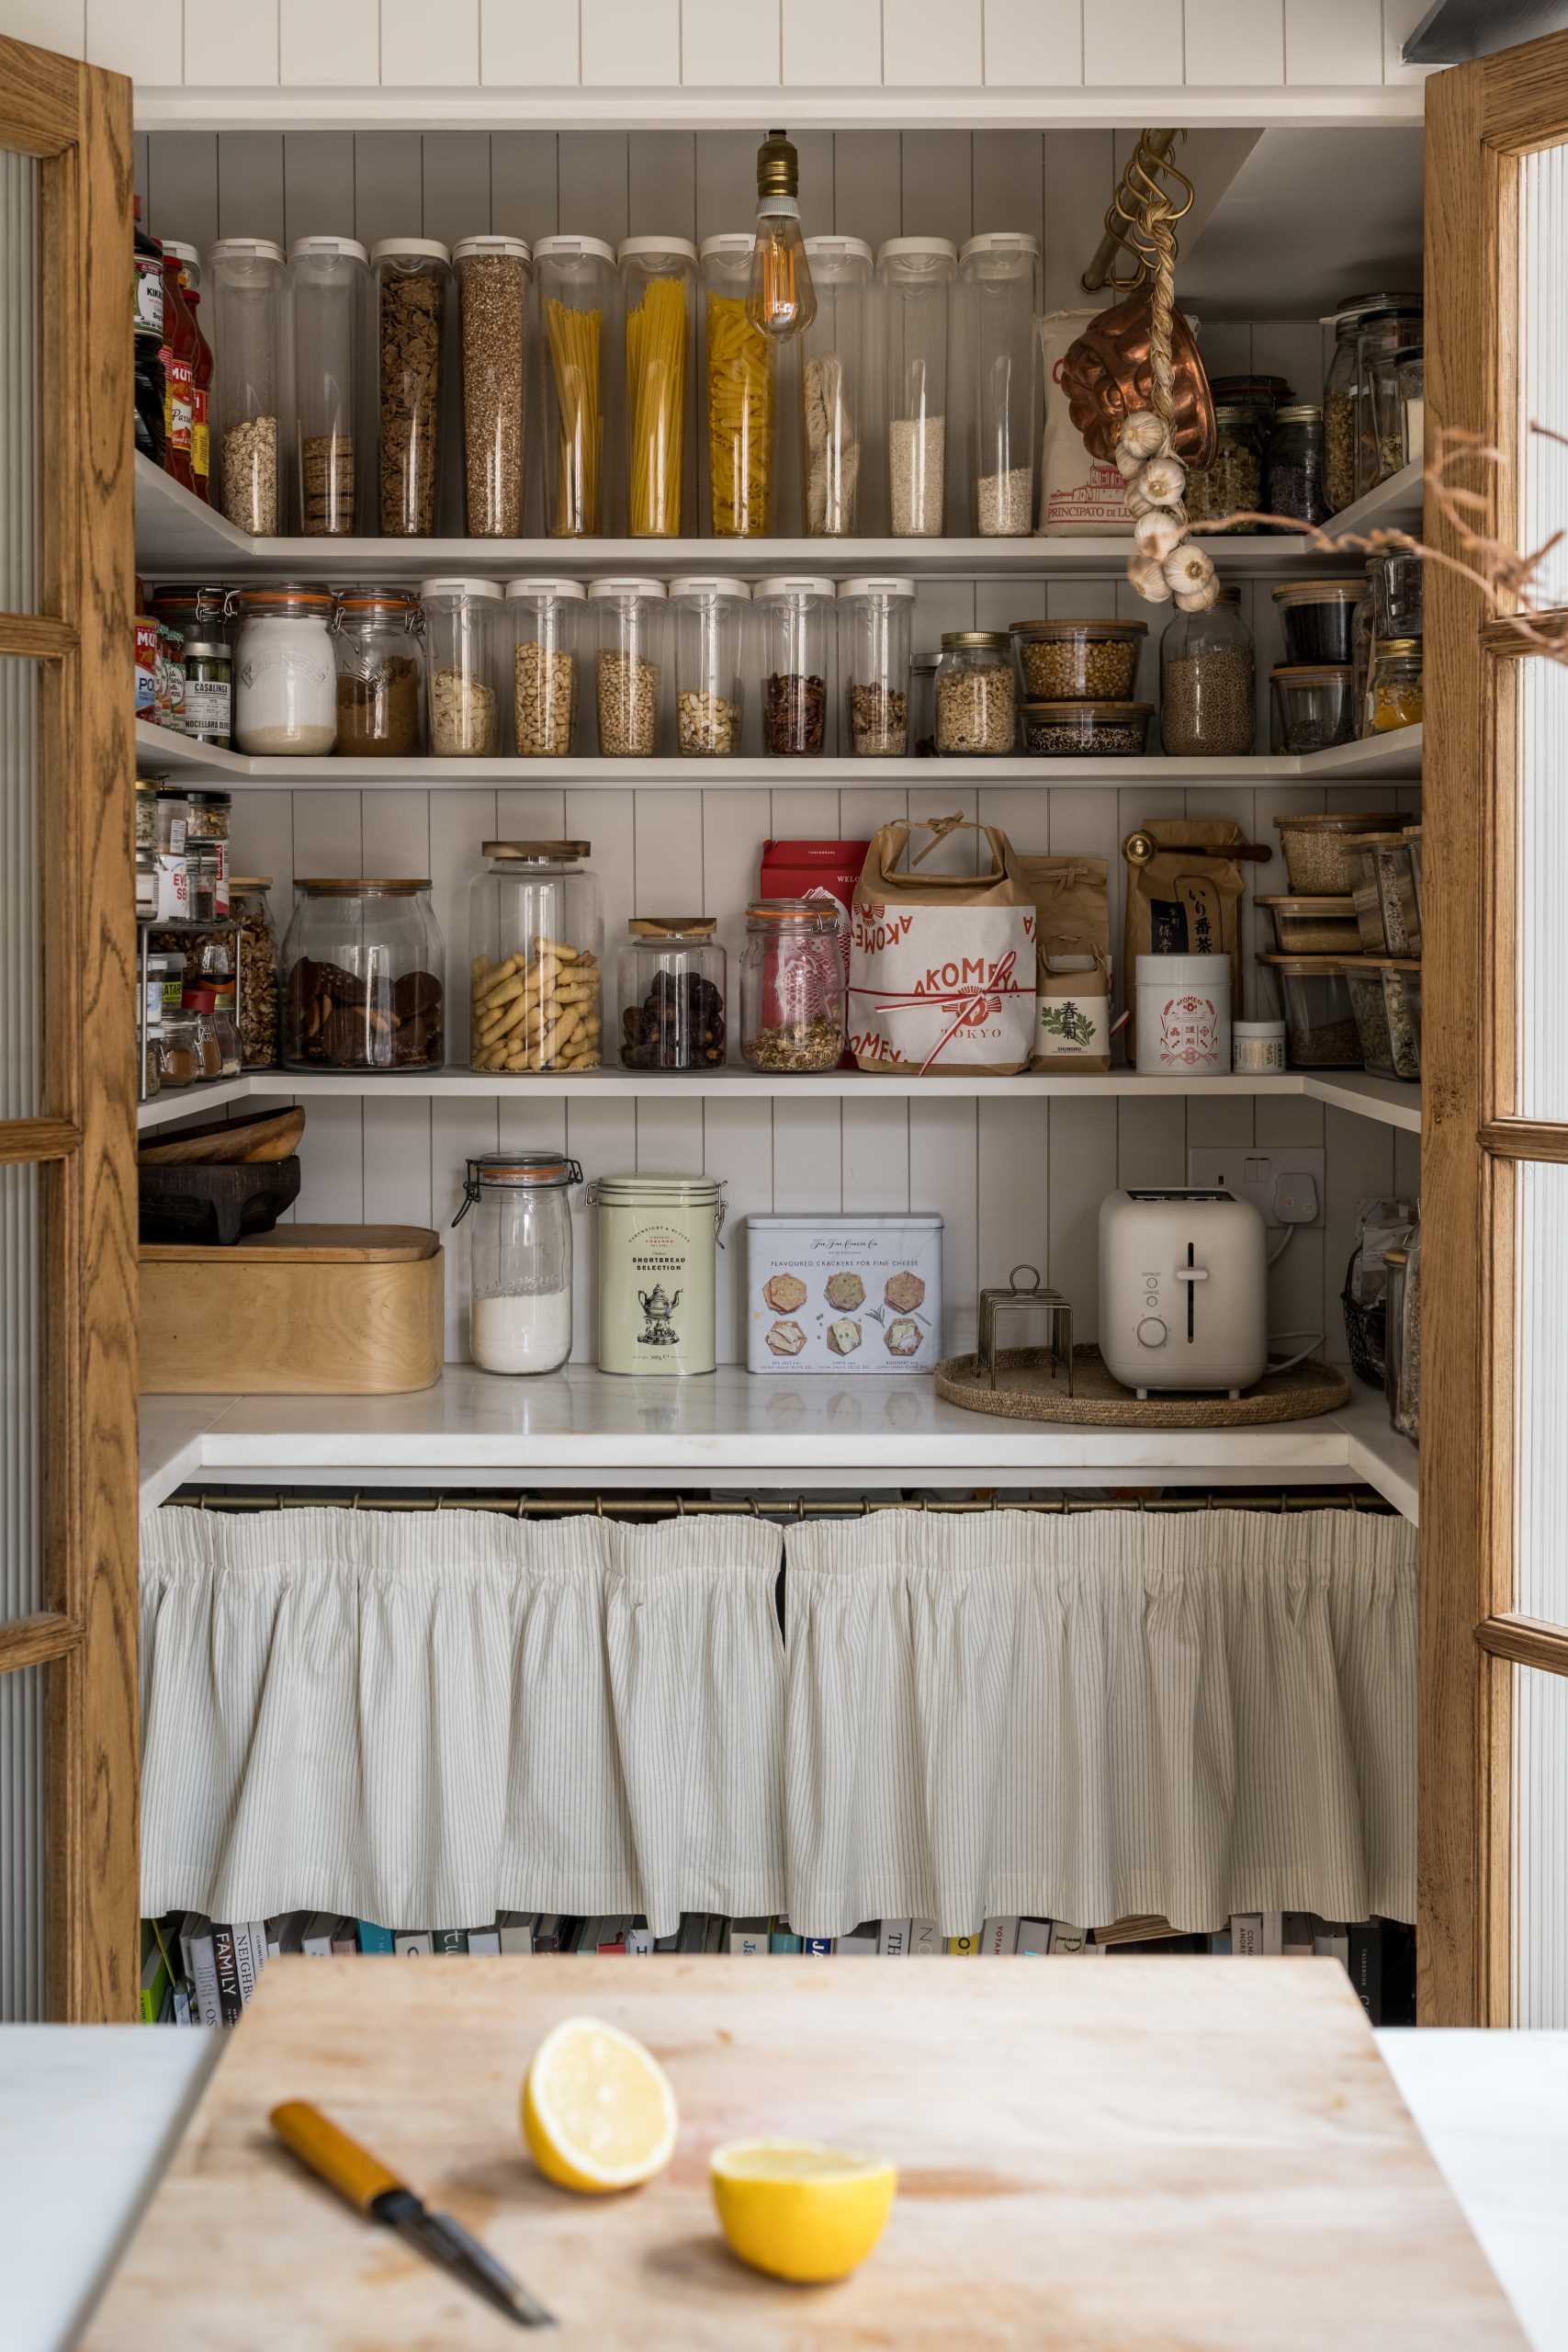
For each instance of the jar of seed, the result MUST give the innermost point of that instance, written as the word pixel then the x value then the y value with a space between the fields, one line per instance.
pixel 1208 682
pixel 976 700
pixel 631 618
pixel 1091 661
pixel 548 616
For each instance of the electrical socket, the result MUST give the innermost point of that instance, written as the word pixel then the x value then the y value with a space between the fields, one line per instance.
pixel 1257 1175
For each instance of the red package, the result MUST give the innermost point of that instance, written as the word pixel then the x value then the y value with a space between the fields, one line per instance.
pixel 815 870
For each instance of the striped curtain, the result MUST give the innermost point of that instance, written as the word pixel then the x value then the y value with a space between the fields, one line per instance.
pixel 422 1719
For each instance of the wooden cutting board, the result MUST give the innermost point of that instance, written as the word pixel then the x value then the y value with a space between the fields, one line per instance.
pixel 263 1134
pixel 1129 2153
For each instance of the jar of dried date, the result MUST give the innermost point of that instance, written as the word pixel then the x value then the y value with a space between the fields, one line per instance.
pixel 672 993
pixel 364 977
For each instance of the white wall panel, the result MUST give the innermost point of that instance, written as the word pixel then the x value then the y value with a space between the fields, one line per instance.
pixel 122 38
pixel 48 24
pixel 323 46
pixel 423 47
pixel 529 43
pixel 1035 43
pixel 1136 38
pixel 1333 42
pixel 1234 42
pixel 726 47
pixel 631 44
pixel 833 44
pixel 232 49
pixel 930 44
pixel 1400 19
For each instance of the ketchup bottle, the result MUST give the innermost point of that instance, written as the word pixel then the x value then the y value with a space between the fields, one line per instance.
pixel 189 263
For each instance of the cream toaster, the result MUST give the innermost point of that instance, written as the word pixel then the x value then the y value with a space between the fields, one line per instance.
pixel 1183 1290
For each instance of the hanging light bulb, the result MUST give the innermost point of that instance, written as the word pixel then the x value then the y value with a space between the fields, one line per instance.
pixel 781 299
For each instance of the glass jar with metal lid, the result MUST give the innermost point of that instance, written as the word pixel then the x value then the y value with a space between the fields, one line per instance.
pixel 1232 483
pixel 207 829
pixel 792 985
pixel 1343 390
pixel 1297 483
pixel 365 975
pixel 673 992
pixel 1398 698
pixel 537 934
pixel 975 694
pixel 380 677
pixel 207 708
pixel 285 691
pixel 147 791
pixel 657 1253
pixel 1383 334
pixel 520 1258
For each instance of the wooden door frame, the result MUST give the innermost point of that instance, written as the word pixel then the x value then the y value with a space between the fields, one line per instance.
pixel 76 120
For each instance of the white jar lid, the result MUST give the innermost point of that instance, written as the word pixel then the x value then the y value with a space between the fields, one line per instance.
pixel 573 249
pixel 328 248
pixel 839 248
pixel 1272 1032
pixel 409 249
pixel 793 583
pixel 459 588
pixel 243 249
pixel 870 584
pixel 546 588
pixel 1000 241
pixel 181 251
pixel 709 584
pixel 630 248
pixel 1182 971
pixel 511 248
pixel 626 587
pixel 942 247
pixel 728 241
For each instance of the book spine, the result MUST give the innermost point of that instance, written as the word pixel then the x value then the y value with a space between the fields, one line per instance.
pixel 1366 1966
pixel 640 1941
pixel 1033 1939
pixel 227 1965
pixel 747 1943
pixel 963 1947
pixel 484 1943
pixel 517 1929
pixel 1247 1934
pixel 182 2007
pixel 245 1959
pixel 448 1939
pixel 817 1947
pixel 998 1938
pixel 371 1937
pixel 346 1941
pixel 782 1938
pixel 893 1938
pixel 925 1941
pixel 1067 1943
pixel 547 1928
pixel 411 1943
pixel 204 1976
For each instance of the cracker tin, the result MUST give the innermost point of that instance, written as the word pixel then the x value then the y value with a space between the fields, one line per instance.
pixel 844 1294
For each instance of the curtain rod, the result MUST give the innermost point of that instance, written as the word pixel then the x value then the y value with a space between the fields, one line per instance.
pixel 674 1506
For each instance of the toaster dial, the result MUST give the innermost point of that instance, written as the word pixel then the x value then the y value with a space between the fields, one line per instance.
pixel 1152 1333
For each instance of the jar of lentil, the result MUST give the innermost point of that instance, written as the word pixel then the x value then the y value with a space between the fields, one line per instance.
pixel 792 985
pixel 1232 483
pixel 208 827
pixel 793 612
pixel 708 613
pixel 380 674
pixel 548 616
pixel 1397 697
pixel 975 696
pixel 1208 682
pixel 256 956
pixel 1091 661
pixel 631 618
pixel 875 615
pixel 460 643
pixel 1297 484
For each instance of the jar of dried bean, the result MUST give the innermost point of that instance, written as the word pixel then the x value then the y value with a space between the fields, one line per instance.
pixel 875 616
pixel 975 696
pixel 793 612
pixel 537 933
pixel 548 618
pixel 708 613
pixel 493 274
pixel 411 305
pixel 631 620
pixel 462 619
pixel 256 944
pixel 1208 682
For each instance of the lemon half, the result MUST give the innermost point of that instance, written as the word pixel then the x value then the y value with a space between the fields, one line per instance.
pixel 798 2210
pixel 598 2109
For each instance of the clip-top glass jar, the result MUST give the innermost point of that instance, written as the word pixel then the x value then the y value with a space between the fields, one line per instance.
pixel 1232 483
pixel 366 971
pixel 537 934
pixel 1297 484
pixel 672 993
pixel 998 307
pixel 792 985
pixel 285 680
pixel 520 1257
pixel 380 676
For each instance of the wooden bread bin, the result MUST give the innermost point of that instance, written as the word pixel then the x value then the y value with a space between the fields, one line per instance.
pixel 306 1310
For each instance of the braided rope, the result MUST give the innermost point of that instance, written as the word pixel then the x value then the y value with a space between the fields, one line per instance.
pixel 1162 309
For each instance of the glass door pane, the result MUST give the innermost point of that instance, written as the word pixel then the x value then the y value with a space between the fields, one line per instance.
pixel 1540 1849
pixel 1542 685
pixel 1540 1386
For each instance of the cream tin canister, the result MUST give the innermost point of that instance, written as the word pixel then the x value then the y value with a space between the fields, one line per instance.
pixel 658 1248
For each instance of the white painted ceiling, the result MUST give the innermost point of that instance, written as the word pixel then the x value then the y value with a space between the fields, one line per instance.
pixel 1311 218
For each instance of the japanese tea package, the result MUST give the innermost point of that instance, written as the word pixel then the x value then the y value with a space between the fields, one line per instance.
pixel 1072 965
pixel 941 965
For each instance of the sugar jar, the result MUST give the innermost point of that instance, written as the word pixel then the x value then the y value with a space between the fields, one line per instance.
pixel 520 1257
pixel 284 684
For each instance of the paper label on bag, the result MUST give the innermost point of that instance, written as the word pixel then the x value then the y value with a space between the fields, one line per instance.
pixel 1071 1027
pixel 941 987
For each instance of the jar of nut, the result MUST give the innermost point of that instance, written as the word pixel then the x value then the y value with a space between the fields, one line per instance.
pixel 708 613
pixel 460 617
pixel 536 934
pixel 975 696
pixel 548 616
pixel 632 616
pixel 256 957
pixel 875 617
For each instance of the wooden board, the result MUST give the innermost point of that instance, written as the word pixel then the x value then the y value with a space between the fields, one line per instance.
pixel 1152 2152
pixel 264 1134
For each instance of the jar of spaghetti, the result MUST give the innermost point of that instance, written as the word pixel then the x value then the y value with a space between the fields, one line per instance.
pixel 659 278
pixel 738 387
pixel 576 293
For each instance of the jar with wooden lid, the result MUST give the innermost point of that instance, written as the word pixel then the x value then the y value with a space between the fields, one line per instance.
pixel 365 976
pixel 536 934
pixel 672 990
pixel 285 679
pixel 380 676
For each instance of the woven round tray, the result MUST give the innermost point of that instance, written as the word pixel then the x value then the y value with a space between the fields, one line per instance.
pixel 1029 1389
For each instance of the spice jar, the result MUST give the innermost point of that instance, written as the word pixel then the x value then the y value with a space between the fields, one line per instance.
pixel 657 1252
pixel 208 692
pixel 536 934
pixel 975 697
pixel 835 383
pixel 146 792
pixel 875 616
pixel 1315 705
pixel 793 612
pixel 462 622
pixel 1297 483
pixel 998 305
pixel 659 278
pixel 201 1008
pixel 285 688
pixel 520 1258
pixel 1232 483
pixel 672 990
pixel 708 613
pixel 1093 661
pixel 1208 682
pixel 1257 1048
pixel 1398 699
pixel 380 674
pixel 255 953
pixel 792 985
pixel 179 1053
pixel 547 616
pixel 577 298
pixel 247 283
pixel 631 618
pixel 739 391
pixel 410 303
pixel 365 983
pixel 492 304
pixel 329 284
pixel 915 277
pixel 207 826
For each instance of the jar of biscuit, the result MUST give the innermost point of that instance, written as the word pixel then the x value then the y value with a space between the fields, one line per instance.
pixel 536 934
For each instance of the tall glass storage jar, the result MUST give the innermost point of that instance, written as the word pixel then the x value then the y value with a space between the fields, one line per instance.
pixel 1384 333
pixel 658 276
pixel 672 993
pixel 739 388
pixel 364 977
pixel 1208 682
pixel 793 614
pixel 915 277
pixel 256 944
pixel 547 634
pixel 577 289
pixel 876 616
pixel 708 613
pixel 998 304
pixel 835 380
pixel 285 680
pixel 1340 402
pixel 793 994
pixel 520 1258
pixel 462 640
pixel 492 275
pixel 380 677
pixel 329 287
pixel 1295 481
pixel 631 619
pixel 412 274
pixel 536 934
pixel 247 294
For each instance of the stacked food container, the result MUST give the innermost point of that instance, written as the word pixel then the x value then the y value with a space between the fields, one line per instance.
pixel 1348 943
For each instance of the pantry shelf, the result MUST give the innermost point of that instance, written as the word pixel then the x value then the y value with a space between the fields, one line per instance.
pixel 1395 757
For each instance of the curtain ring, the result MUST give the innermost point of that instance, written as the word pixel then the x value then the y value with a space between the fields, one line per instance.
pixel 679 1506
pixel 598 1505
pixel 517 1506
pixel 800 1511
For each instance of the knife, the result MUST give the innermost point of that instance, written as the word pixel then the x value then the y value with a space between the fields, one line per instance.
pixel 371 2189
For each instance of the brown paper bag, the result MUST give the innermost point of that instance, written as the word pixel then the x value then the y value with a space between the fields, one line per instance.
pixel 1186 902
pixel 1072 971
pixel 941 965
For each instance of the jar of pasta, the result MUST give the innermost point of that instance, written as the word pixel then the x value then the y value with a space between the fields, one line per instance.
pixel 738 383
pixel 577 295
pixel 659 278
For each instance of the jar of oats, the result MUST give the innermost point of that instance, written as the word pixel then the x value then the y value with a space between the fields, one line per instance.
pixel 630 621
pixel 547 618
pixel 975 696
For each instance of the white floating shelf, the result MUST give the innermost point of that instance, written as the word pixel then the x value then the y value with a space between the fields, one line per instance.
pixel 1393 757
pixel 178 535
pixel 1383 1100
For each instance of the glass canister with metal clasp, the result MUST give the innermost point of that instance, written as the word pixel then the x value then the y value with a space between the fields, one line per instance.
pixel 520 1257
pixel 659 1240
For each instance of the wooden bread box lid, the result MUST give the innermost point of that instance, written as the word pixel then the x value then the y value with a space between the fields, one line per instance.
pixel 309 1245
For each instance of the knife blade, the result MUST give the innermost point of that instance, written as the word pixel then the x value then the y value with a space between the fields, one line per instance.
pixel 372 2189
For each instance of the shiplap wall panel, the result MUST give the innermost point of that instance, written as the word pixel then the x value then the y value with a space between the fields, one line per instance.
pixel 425 49
pixel 1035 42
pixel 1232 43
pixel 1331 42
pixel 318 184
pixel 832 43
pixel 631 44
pixel 724 46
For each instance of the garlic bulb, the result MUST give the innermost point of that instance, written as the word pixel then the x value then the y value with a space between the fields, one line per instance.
pixel 1128 462
pixel 1141 436
pixel 1158 535
pixel 1187 568
pixel 1196 600
pixel 1147 576
pixel 1161 482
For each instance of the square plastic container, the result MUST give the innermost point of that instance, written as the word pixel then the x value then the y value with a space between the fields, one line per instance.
pixel 1093 661
pixel 843 1294
pixel 1076 730
pixel 1314 926
pixel 1363 976
pixel 1315 705
pixel 1402 995
pixel 1386 895
pixel 1320 1027
pixel 1318 855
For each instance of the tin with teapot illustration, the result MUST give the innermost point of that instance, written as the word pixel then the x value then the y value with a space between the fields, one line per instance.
pixel 658 1239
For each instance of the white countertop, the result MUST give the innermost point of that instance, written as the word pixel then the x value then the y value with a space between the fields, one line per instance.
pixel 90 2115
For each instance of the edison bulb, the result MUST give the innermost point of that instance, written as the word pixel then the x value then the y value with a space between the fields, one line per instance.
pixel 781 299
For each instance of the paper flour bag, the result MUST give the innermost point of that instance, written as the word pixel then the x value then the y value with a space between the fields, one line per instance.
pixel 941 965
pixel 1077 492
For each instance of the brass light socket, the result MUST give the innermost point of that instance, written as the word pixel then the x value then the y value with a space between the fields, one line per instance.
pixel 778 166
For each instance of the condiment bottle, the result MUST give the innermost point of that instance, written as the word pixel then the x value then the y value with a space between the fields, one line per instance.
pixel 179 357
pixel 189 262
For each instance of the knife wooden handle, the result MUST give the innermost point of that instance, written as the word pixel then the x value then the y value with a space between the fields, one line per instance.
pixel 341 2162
